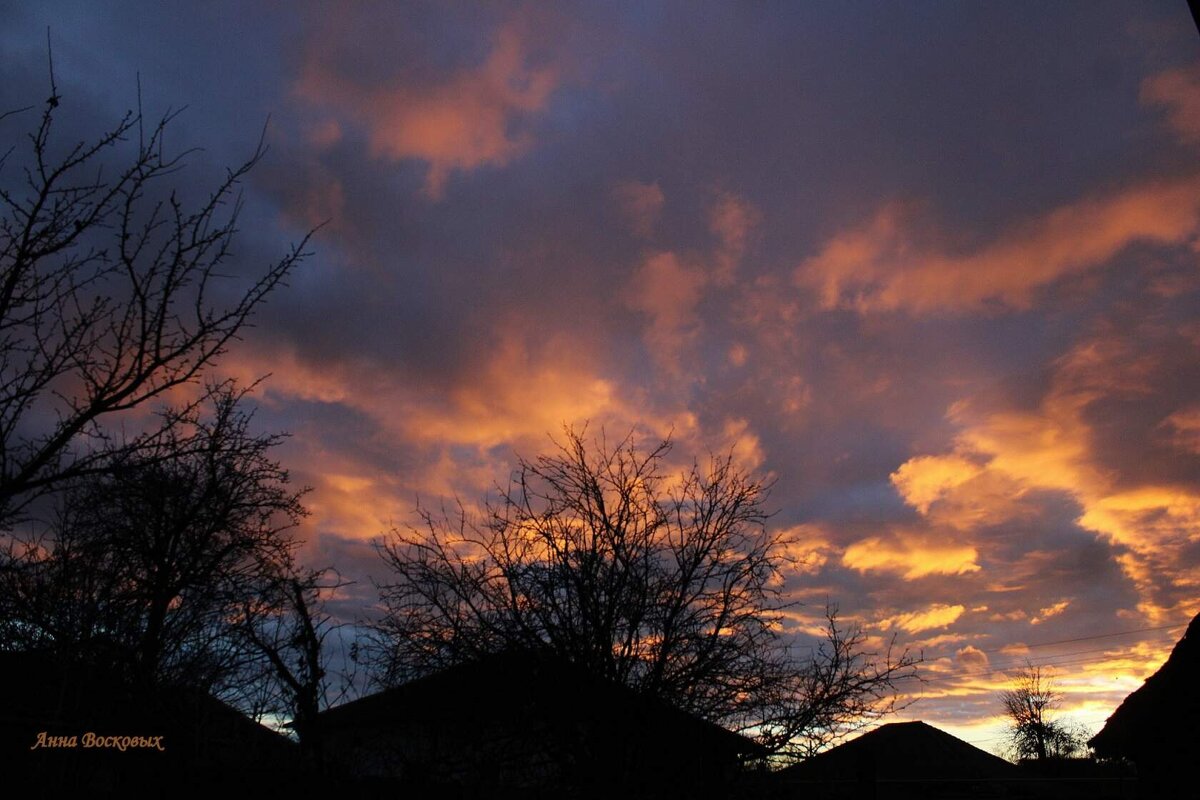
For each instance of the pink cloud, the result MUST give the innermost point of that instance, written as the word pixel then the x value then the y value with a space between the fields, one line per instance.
pixel 893 263
pixel 473 118
pixel 667 290
pixel 641 204
pixel 732 220
pixel 1177 91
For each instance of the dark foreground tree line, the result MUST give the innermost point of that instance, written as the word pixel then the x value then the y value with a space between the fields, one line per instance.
pixel 145 524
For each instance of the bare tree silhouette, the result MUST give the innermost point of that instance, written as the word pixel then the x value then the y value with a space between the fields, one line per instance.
pixel 290 627
pixel 1030 706
pixel 672 585
pixel 155 563
pixel 109 287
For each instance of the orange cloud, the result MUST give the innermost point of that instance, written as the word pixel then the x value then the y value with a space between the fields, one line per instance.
pixel 936 616
pixel 668 291
pixel 463 437
pixel 669 287
pixel 1049 611
pixel 912 555
pixel 472 119
pixel 1177 91
pixel 809 546
pixel 1157 524
pixel 924 479
pixel 972 659
pixel 887 265
pixel 1050 448
pixel 521 392
pixel 356 505
pixel 742 443
pixel 956 492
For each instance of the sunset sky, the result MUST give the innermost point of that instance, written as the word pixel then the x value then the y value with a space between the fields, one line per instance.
pixel 933 268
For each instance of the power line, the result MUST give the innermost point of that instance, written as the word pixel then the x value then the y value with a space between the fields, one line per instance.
pixel 1068 663
pixel 1090 638
pixel 1068 659
pixel 1007 665
pixel 1058 660
pixel 966 673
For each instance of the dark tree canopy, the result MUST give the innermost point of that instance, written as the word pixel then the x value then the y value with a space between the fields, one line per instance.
pixel 150 562
pixel 670 584
pixel 176 566
pixel 149 538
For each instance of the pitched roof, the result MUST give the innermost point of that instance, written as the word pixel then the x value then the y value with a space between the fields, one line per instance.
pixel 1159 718
pixel 518 684
pixel 903 750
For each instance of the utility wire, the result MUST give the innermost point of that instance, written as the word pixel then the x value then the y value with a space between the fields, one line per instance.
pixel 966 673
pixel 1058 660
pixel 1100 636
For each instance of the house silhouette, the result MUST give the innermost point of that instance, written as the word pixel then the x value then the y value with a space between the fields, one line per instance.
pixel 176 738
pixel 525 724
pixel 1156 727
pixel 916 760
pixel 901 760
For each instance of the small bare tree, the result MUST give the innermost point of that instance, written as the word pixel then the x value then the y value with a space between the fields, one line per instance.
pixel 672 585
pixel 1030 706
pixel 289 626
pixel 109 288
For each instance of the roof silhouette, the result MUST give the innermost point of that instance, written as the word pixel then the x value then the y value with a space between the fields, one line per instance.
pixel 526 724
pixel 1155 726
pixel 903 751
pixel 517 680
